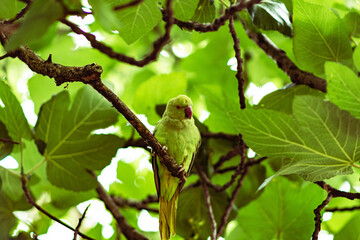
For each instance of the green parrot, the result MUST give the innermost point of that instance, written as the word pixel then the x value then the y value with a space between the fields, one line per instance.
pixel 177 132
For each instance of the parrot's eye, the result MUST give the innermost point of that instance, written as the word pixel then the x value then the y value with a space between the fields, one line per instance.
pixel 177 106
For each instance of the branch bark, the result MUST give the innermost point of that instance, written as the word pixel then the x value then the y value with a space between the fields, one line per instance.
pixel 126 229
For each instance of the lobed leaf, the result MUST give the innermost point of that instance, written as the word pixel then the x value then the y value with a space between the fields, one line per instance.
pixel 319 36
pixel 12 115
pixel 70 149
pixel 271 15
pixel 343 87
pixel 319 140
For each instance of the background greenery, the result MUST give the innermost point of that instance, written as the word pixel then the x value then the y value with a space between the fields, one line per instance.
pixel 302 131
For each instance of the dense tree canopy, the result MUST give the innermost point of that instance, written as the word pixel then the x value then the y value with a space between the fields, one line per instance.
pixel 84 83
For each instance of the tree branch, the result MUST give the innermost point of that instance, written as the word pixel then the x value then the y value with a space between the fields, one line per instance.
pixel 317 218
pixel 76 232
pixel 152 56
pixel 126 229
pixel 218 22
pixel 30 200
pixel 335 209
pixel 207 201
pixel 220 135
pixel 122 202
pixel 229 155
pixel 227 212
pixel 239 72
pixel 8 141
pixel 126 5
pixel 284 63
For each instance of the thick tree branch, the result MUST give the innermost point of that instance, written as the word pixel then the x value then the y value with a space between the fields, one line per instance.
pixel 122 202
pixel 126 229
pixel 284 63
pixel 218 22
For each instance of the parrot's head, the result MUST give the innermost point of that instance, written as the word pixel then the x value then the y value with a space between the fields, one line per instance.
pixel 179 108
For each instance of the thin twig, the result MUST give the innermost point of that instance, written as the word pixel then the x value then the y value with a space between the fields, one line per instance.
pixel 76 232
pixel 239 72
pixel 229 155
pixel 218 22
pixel 8 141
pixel 207 201
pixel 30 199
pixel 335 209
pixel 229 207
pixel 248 164
pixel 19 14
pixel 126 229
pixel 317 218
pixel 152 56
pixel 122 202
pixel 219 135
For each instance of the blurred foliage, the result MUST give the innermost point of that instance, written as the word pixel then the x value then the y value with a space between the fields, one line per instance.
pixel 64 130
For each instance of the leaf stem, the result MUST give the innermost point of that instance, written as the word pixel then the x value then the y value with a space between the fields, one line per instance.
pixel 36 167
pixel 355 165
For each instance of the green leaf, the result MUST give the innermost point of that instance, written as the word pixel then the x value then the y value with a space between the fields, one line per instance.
pixel 357 58
pixel 7 219
pixel 70 150
pixel 11 183
pixel 343 87
pixel 158 90
pixel 12 114
pixel 205 11
pixel 282 99
pixel 137 21
pixel 350 230
pixel 184 9
pixel 104 14
pixel 282 212
pixel 319 36
pixel 5 147
pixel 41 15
pixel 192 219
pixel 9 8
pixel 352 22
pixel 320 140
pixel 271 15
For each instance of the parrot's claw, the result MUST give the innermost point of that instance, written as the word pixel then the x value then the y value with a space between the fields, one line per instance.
pixel 164 148
pixel 181 170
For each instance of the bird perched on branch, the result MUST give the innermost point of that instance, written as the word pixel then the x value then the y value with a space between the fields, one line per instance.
pixel 177 132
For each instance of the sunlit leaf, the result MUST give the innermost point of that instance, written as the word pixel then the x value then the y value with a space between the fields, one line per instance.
pixel 70 150
pixel 135 22
pixel 352 22
pixel 9 8
pixel 12 115
pixel 281 212
pixel 5 147
pixel 271 15
pixel 205 11
pixel 319 36
pixel 320 139
pixel 343 87
pixel 41 15
pixel 184 9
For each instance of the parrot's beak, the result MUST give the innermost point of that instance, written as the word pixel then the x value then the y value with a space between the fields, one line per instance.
pixel 188 112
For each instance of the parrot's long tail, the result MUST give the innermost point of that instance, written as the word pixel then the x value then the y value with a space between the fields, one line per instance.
pixel 167 216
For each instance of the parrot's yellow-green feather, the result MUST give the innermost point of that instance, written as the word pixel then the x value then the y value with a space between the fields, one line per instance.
pixel 177 131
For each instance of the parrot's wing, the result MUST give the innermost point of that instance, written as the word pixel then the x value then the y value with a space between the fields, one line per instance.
pixel 193 158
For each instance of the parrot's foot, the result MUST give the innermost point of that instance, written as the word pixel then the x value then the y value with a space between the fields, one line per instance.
pixel 181 171
pixel 164 148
